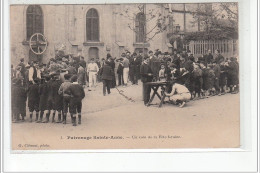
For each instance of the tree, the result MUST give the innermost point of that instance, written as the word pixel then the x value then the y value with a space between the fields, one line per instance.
pixel 218 21
pixel 155 18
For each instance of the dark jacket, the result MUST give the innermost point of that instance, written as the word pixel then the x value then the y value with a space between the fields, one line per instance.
pixel 145 69
pixel 135 64
pixel 106 72
pixel 19 96
pixel 120 69
pixel 43 92
pixel 55 88
pixel 76 91
pixel 217 71
pixel 33 93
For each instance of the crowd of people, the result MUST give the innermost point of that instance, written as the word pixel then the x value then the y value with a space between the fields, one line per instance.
pixel 58 86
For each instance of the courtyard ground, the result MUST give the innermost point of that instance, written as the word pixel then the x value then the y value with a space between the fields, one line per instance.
pixel 113 122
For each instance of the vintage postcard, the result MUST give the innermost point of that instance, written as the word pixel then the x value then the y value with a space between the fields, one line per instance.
pixel 124 76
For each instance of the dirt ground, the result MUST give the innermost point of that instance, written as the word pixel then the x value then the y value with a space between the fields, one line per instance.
pixel 113 122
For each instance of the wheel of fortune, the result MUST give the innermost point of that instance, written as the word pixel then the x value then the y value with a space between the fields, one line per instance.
pixel 38 43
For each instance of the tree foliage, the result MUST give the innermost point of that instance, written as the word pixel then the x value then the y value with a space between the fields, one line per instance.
pixel 218 23
pixel 154 18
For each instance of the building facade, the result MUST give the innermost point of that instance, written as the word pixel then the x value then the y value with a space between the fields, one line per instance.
pixel 95 30
pixel 91 30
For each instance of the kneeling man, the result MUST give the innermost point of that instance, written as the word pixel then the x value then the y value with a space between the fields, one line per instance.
pixel 179 94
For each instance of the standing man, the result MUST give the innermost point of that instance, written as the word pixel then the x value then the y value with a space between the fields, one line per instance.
pixel 135 65
pixel 185 55
pixel 33 72
pixel 84 65
pixel 218 57
pixel 146 76
pixel 152 63
pixel 112 65
pixel 92 71
pixel 208 58
pixel 126 69
pixel 22 67
pixel 106 73
pixel 140 59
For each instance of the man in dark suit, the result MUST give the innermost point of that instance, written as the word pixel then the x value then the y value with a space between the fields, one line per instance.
pixel 218 57
pixel 140 59
pixel 106 73
pixel 208 58
pixel 135 66
pixel 146 76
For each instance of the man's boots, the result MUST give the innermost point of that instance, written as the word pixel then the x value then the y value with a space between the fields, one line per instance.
pixel 74 121
pixel 47 118
pixel 37 116
pixel 71 118
pixel 41 116
pixel 59 118
pixel 31 117
pixel 79 119
pixel 64 118
pixel 16 118
pixel 53 118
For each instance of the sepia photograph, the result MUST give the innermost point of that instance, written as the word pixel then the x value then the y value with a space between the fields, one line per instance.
pixel 124 76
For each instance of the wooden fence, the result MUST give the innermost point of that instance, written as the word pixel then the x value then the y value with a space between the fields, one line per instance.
pixel 228 48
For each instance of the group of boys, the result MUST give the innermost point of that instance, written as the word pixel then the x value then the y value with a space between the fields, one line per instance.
pixel 202 77
pixel 49 89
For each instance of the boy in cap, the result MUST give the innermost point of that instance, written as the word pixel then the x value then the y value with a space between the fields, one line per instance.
pixel 77 94
pixel 64 92
pixel 33 99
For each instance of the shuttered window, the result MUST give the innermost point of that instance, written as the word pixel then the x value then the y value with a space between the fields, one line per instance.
pixel 92 25
pixel 34 20
pixel 140 28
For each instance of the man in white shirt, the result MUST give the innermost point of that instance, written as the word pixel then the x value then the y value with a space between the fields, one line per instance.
pixel 126 68
pixel 92 71
pixel 34 72
pixel 179 94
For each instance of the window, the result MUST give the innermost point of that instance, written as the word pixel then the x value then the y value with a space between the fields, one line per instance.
pixel 93 53
pixel 140 27
pixel 34 20
pixel 92 25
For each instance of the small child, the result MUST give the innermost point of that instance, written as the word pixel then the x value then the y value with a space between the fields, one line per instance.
pixel 212 78
pixel 162 73
pixel 198 81
pixel 33 99
pixel 77 94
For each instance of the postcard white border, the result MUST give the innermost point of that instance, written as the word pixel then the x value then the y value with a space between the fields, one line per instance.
pixel 187 160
